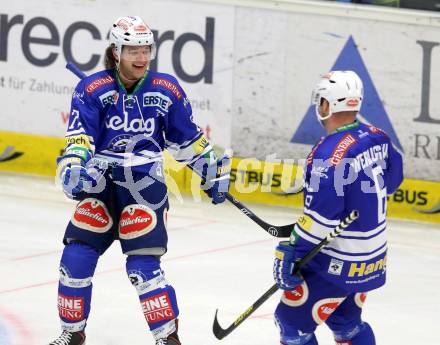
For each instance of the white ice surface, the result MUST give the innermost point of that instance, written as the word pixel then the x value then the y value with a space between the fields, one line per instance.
pixel 217 258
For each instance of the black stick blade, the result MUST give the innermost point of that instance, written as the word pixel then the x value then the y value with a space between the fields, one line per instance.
pixel 285 230
pixel 219 332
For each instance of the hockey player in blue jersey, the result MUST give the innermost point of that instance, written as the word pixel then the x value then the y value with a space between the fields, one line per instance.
pixel 354 167
pixel 122 118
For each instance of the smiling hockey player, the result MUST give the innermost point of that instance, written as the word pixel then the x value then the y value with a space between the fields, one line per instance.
pixel 353 168
pixel 121 120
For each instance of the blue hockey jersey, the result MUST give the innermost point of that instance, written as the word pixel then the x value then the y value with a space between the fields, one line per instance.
pixel 132 129
pixel 354 168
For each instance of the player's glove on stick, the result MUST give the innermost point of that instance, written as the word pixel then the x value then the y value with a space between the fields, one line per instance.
pixel 215 178
pixel 75 180
pixel 284 265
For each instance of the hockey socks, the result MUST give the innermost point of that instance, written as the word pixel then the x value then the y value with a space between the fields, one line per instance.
pixel 157 297
pixel 361 334
pixel 77 267
pixel 290 335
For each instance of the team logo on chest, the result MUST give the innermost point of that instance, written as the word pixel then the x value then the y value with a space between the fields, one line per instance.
pixel 156 99
pixel 132 120
pixel 120 142
pixel 136 125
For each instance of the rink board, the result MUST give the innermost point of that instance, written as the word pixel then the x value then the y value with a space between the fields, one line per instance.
pixel 34 154
pixel 247 67
pixel 272 182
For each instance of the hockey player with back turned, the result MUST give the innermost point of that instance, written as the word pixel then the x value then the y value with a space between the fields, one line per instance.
pixel 121 120
pixel 353 168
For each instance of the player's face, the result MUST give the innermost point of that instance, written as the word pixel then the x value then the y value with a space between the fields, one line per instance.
pixel 134 61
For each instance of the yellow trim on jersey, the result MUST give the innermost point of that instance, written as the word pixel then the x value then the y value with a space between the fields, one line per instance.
pixel 200 145
pixel 251 179
pixel 305 222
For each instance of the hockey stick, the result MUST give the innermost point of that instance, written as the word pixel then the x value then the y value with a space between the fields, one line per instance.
pixel 220 332
pixel 276 231
pixel 75 70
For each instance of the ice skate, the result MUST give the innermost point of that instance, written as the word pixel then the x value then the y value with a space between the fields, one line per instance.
pixel 172 339
pixel 73 338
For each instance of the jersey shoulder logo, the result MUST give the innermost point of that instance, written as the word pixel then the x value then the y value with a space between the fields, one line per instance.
pixel 167 85
pixel 376 130
pixel 372 111
pixel 341 148
pixel 97 83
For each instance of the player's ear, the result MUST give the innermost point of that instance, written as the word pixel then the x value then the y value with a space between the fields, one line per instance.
pixel 115 55
pixel 325 106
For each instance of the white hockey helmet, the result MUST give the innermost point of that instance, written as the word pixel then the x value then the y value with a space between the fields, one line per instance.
pixel 342 89
pixel 131 31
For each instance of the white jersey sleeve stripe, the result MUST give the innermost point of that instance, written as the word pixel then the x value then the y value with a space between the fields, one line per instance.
pixel 364 234
pixel 320 231
pixel 351 246
pixel 128 161
pixel 358 246
pixel 78 131
pixel 358 258
pixel 320 218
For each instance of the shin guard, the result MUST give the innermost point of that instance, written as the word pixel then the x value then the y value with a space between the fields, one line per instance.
pixel 290 335
pixel 157 297
pixel 77 267
pixel 361 334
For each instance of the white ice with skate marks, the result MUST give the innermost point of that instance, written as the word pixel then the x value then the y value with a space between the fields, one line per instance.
pixel 217 258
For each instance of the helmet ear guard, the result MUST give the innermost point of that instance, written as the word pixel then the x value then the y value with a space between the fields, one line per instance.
pixel 342 89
